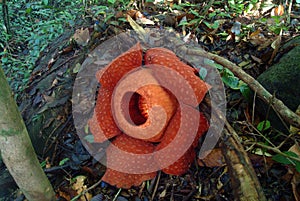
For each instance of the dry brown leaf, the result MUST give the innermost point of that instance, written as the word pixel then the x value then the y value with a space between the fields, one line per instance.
pixel 213 159
pixel 296 186
pixel 145 21
pixel 296 175
pixel 278 11
pixel 79 186
pixel 82 36
pixel 257 38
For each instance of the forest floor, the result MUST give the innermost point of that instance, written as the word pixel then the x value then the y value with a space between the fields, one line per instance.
pixel 248 34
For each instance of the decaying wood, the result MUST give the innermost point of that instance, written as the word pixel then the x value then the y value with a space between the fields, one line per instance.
pixel 245 184
pixel 244 181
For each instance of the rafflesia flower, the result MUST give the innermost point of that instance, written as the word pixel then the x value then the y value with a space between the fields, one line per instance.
pixel 149 113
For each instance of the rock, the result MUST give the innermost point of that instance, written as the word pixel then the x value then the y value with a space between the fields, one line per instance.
pixel 283 80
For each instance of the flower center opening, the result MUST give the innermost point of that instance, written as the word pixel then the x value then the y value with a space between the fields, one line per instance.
pixel 138 109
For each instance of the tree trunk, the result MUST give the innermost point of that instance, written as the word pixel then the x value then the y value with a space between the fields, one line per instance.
pixel 17 151
pixel 5 16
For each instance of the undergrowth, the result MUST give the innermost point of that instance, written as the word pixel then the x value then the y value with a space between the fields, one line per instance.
pixel 34 24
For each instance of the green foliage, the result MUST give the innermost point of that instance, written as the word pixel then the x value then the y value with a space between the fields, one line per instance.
pixel 240 6
pixel 277 25
pixel 230 80
pixel 264 125
pixel 89 138
pixel 34 24
pixel 63 161
pixel 43 164
pixel 287 161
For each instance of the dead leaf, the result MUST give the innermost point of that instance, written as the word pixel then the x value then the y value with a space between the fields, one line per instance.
pixel 137 28
pixel 79 187
pixel 190 38
pixel 296 175
pixel 276 43
pixel 257 38
pixel 213 159
pixel 296 186
pixel 145 21
pixel 278 11
pixel 296 149
pixel 82 36
pixel 258 60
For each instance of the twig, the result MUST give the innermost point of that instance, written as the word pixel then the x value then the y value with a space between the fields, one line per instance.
pixel 274 149
pixel 287 114
pixel 243 178
pixel 253 108
pixel 116 196
pixel 156 186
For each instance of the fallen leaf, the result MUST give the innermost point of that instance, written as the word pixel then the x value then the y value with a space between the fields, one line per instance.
pixel 213 159
pixel 278 11
pixel 82 36
pixel 145 21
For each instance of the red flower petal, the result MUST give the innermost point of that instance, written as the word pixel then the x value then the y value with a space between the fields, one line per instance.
pixel 155 104
pixel 152 95
pixel 203 127
pixel 167 58
pixel 120 155
pixel 102 124
pixel 110 75
pixel 124 180
pixel 182 164
pixel 183 130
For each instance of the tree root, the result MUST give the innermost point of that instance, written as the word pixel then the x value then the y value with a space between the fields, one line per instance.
pixel 288 115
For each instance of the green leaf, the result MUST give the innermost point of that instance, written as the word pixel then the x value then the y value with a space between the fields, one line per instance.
pixel 28 10
pixel 177 7
pixel 215 25
pixel 203 73
pixel 45 2
pixel 245 89
pixel 297 166
pixel 122 19
pixel 213 64
pixel 284 160
pixel 210 15
pixel 76 68
pixel 183 22
pixel 281 159
pixel 194 21
pixel 43 164
pixel 108 17
pixel 4 59
pixel 195 13
pixel 264 125
pixel 231 81
pixel 63 161
pixel 89 138
pixel 111 2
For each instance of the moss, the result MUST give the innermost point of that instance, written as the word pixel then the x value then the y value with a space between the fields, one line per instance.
pixel 283 80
